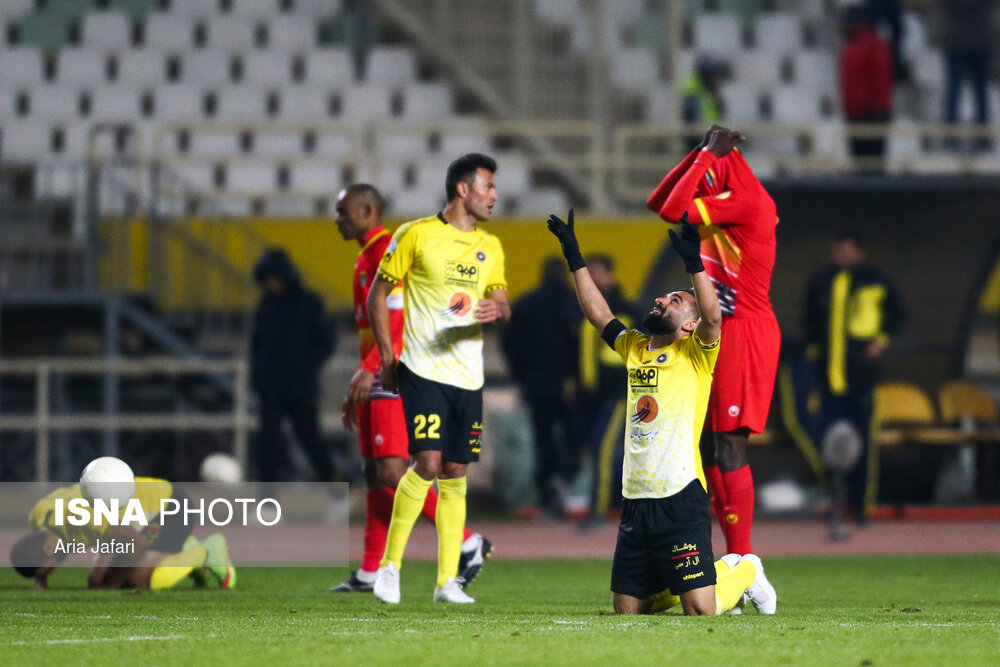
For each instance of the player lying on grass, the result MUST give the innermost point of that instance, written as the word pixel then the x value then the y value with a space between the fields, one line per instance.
pixel 664 550
pixel 159 557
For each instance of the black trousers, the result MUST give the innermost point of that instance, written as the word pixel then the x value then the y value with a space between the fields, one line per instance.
pixel 556 454
pixel 271 450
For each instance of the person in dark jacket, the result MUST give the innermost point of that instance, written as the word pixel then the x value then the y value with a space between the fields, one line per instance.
pixel 851 310
pixel 291 340
pixel 542 371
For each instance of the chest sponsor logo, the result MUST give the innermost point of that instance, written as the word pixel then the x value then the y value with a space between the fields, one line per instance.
pixel 458 305
pixel 461 272
pixel 646 410
pixel 643 380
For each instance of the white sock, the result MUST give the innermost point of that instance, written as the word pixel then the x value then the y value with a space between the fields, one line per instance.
pixel 365 576
pixel 472 543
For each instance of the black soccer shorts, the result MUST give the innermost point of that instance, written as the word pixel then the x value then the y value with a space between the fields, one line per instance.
pixel 441 417
pixel 664 543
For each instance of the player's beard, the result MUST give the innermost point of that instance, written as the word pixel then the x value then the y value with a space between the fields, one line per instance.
pixel 659 324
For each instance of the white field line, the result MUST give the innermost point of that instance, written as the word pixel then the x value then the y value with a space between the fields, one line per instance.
pixel 94 640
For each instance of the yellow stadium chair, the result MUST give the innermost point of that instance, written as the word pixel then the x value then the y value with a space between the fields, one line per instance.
pixel 959 400
pixel 904 403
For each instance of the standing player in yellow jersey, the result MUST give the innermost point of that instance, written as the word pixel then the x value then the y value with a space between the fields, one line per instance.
pixel 664 550
pixel 454 283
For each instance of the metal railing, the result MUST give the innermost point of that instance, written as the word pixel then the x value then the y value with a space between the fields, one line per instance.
pixel 44 422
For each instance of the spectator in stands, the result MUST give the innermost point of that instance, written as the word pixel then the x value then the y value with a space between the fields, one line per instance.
pixel 851 309
pixel 887 15
pixel 544 374
pixel 701 98
pixel 291 340
pixel 967 37
pixel 600 378
pixel 866 88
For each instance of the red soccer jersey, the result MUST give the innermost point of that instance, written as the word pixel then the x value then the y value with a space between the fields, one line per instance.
pixel 373 246
pixel 738 218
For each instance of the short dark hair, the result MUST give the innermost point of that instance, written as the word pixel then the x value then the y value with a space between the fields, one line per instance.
pixel 370 193
pixel 464 169
pixel 847 234
pixel 605 260
pixel 27 552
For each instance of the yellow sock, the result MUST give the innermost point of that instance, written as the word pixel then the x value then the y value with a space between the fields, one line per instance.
pixel 410 496
pixel 665 599
pixel 729 585
pixel 450 521
pixel 173 568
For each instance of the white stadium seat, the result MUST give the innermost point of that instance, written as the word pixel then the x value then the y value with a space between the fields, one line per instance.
pixel 318 8
pixel 232 33
pixel 107 29
pixel 366 103
pixel 241 104
pixel 287 144
pixel 267 68
pixel 15 9
pixel 663 104
pixel 142 68
pixel 219 144
pixel 333 145
pixel 291 33
pixel 114 103
pixel 742 102
pixel 179 104
pixel 316 177
pixel 426 101
pixel 815 69
pixel 558 11
pixel 25 141
pixel 255 9
pixel 417 202
pixel 206 67
pixel 795 104
pixel 21 66
pixel 402 145
pixel 306 104
pixel 295 207
pixel 84 67
pixel 8 104
pixel 757 67
pixel 167 32
pixel 254 177
pixel 332 67
pixel 777 33
pixel 469 137
pixel 634 69
pixel 55 103
pixel 192 8
pixel 542 201
pixel 513 175
pixel 390 66
pixel 718 33
pixel 391 178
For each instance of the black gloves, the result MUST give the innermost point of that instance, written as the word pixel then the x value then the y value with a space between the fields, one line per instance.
pixel 567 238
pixel 687 244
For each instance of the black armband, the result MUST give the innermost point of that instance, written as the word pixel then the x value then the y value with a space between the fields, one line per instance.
pixel 612 330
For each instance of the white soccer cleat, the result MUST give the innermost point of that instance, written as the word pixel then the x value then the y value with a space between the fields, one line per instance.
pixel 732 560
pixel 451 592
pixel 761 592
pixel 386 586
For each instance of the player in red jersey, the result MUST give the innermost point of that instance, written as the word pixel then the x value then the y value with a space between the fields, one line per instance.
pixel 717 189
pixel 378 413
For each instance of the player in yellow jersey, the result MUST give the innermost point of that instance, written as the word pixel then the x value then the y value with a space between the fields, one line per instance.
pixel 664 550
pixel 454 283
pixel 161 556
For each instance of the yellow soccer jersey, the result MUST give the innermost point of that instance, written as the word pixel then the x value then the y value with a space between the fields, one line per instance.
pixel 446 273
pixel 149 490
pixel 667 399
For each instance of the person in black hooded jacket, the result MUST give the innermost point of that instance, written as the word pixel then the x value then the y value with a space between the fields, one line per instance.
pixel 291 340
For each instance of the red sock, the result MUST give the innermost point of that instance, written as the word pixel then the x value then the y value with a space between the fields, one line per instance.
pixel 430 510
pixel 378 513
pixel 718 491
pixel 739 509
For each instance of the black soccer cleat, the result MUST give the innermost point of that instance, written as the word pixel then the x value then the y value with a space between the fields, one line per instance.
pixel 472 561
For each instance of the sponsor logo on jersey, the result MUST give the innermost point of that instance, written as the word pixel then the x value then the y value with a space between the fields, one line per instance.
pixel 481 256
pixel 461 272
pixel 458 305
pixel 662 359
pixel 646 410
pixel 643 380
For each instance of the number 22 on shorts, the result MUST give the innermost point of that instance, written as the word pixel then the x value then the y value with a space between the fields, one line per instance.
pixel 432 424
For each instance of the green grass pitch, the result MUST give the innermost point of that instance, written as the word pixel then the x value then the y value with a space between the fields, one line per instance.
pixel 831 611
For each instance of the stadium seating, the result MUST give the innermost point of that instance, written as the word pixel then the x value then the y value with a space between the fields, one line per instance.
pixel 961 400
pixel 904 403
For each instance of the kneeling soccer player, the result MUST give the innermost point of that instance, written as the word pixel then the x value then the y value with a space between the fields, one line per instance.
pixel 159 557
pixel 664 550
